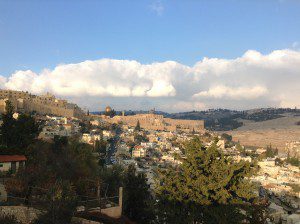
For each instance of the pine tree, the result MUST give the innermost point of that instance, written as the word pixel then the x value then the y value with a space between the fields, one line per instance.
pixel 207 187
pixel 100 147
pixel 8 126
pixel 137 204
pixel 138 126
pixel 16 134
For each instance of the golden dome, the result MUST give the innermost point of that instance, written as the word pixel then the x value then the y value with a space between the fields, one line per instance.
pixel 108 109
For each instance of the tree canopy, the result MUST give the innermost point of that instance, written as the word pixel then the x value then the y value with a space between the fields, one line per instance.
pixel 16 134
pixel 207 187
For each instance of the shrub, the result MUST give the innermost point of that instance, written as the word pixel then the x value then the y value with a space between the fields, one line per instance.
pixel 8 219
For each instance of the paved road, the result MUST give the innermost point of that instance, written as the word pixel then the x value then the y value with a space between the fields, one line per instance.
pixel 112 147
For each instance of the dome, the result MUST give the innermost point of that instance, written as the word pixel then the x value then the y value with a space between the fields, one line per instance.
pixel 108 109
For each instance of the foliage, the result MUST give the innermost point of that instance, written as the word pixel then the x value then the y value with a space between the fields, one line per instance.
pixel 138 126
pixel 113 177
pixel 270 152
pixel 86 126
pixel 241 149
pixel 62 203
pixel 62 160
pixel 138 138
pixel 17 134
pixel 293 161
pixel 227 137
pixel 137 201
pixel 8 219
pixel 100 147
pixel 7 127
pixel 278 162
pixel 207 187
pixel 137 196
pixel 295 187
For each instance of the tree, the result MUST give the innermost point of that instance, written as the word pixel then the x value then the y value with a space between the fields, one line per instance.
pixel 270 152
pixel 17 134
pixel 26 131
pixel 137 203
pixel 294 161
pixel 206 188
pixel 278 162
pixel 61 204
pixel 137 127
pixel 67 160
pixel 227 137
pixel 8 125
pixel 100 147
pixel 140 138
pixel 113 178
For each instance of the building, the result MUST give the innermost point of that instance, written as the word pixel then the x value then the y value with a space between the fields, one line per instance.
pixel 139 152
pixel 157 122
pixel 25 102
pixel 11 162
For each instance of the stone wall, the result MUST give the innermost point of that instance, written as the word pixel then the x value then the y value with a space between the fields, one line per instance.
pixel 47 104
pixel 157 122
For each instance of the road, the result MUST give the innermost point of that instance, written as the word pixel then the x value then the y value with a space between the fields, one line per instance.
pixel 113 143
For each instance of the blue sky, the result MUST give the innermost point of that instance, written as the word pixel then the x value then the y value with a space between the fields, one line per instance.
pixel 211 54
pixel 41 34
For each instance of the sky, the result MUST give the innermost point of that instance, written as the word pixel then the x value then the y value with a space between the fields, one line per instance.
pixel 143 54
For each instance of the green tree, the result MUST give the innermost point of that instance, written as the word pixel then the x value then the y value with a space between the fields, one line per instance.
pixel 140 138
pixel 227 137
pixel 17 134
pixel 100 147
pixel 270 152
pixel 113 178
pixel 138 126
pixel 61 204
pixel 137 198
pixel 67 160
pixel 207 188
pixel 293 161
pixel 8 126
pixel 26 131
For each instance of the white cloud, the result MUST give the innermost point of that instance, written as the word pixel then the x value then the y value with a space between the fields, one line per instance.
pixel 157 7
pixel 252 80
pixel 233 93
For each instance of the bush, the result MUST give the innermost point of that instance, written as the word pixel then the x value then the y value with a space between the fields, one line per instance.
pixel 8 219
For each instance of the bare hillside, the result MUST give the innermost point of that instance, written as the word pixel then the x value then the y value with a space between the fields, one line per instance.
pixel 275 132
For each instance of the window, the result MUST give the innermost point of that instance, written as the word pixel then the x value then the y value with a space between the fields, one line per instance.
pixel 1 165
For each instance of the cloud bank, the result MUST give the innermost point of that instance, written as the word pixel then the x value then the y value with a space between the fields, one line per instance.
pixel 252 80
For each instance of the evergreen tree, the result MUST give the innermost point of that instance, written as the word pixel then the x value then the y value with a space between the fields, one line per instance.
pixel 100 147
pixel 208 187
pixel 26 132
pixel 138 126
pixel 137 197
pixel 8 126
pixel 16 134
